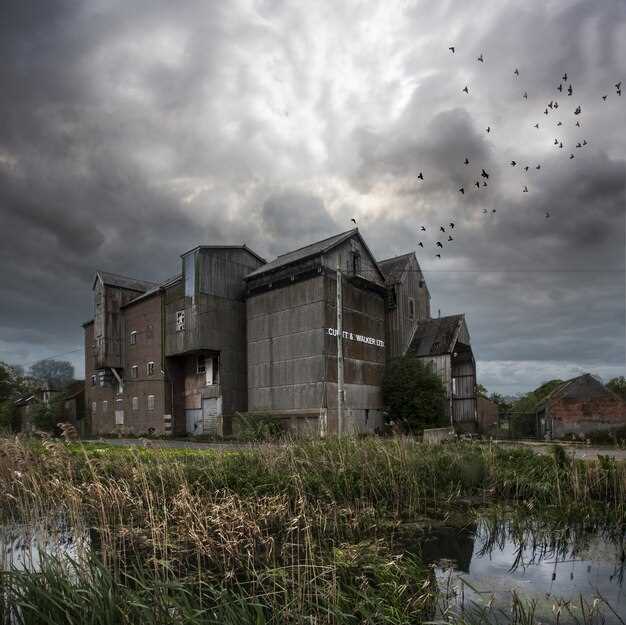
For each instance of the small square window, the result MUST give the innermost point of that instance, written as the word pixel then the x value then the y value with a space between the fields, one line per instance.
pixel 119 404
pixel 180 320
pixel 150 368
pixel 133 337
pixel 151 402
pixel 135 403
pixel 134 372
pixel 105 405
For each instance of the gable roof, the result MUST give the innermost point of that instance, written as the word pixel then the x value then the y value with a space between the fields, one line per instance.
pixel 393 268
pixel 123 282
pixel 310 251
pixel 435 337
pixel 582 387
pixel 159 288
pixel 243 247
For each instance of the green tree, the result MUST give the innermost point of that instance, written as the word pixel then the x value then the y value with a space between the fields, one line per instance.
pixel 57 373
pixel 8 415
pixel 481 391
pixel 413 395
pixel 618 385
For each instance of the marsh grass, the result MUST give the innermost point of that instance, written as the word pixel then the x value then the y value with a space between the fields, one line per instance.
pixel 298 532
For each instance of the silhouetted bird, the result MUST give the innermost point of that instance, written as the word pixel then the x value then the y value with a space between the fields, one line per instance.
pixel 571 156
pixel 438 244
pixel 462 190
pixel 584 141
pixel 451 225
pixel 493 210
pixel 421 244
pixel 536 125
pixel 423 229
pixel 466 89
pixel 564 77
pixel 556 105
pixel 451 48
pixel 547 215
pixel 578 124
pixel 577 111
pixel 488 128
pixel 545 112
pixel 420 176
pixel 604 97
pixel 525 96
pixel 484 210
pixel 525 190
pixel 579 145
pixel 450 238
pixel 353 220
pixel 513 163
pixel 484 174
pixel 559 123
pixel 538 167
pixel 551 103
pixel 570 90
pixel 442 229
pixel 477 183
pixel 438 255
pixel 619 92
pixel 467 161
pixel 480 58
pixel 556 142
pixel 618 85
pixel 560 87
pixel 526 168
pixel 484 184
pixel 561 145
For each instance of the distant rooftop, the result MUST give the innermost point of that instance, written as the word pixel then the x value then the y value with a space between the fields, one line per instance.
pixel 435 337
pixel 124 282
pixel 393 268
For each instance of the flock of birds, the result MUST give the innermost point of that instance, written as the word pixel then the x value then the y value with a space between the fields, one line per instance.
pixel 551 107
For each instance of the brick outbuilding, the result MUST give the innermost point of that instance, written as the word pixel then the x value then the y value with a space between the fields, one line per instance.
pixel 578 407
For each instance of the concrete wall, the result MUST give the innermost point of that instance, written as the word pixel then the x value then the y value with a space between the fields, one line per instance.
pixel 292 363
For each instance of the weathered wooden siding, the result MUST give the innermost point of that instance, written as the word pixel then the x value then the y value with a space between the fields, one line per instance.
pixel 399 326
pixel 464 391
pixel 344 252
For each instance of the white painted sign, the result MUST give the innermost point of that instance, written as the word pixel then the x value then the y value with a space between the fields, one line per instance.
pixel 351 336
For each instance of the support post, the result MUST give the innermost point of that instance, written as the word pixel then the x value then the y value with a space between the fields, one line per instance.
pixel 339 351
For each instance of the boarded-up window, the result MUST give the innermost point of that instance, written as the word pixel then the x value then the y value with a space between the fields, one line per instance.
pixel 135 403
pixel 151 402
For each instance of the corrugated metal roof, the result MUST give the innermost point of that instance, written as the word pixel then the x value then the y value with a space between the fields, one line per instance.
pixel 313 249
pixel 393 268
pixel 124 282
pixel 434 337
pixel 582 387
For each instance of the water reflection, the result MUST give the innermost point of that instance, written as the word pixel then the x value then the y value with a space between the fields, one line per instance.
pixel 495 560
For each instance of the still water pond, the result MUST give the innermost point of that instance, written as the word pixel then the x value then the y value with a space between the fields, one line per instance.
pixel 486 564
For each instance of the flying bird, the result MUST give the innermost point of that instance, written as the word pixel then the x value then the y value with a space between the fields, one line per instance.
pixel 525 96
pixel 536 125
pixel 442 229
pixel 560 87
pixel 551 103
pixel 477 183
pixel 618 85
pixel 516 72
pixel 578 124
pixel 538 167
pixel 484 184
pixel 421 244
pixel 451 48
pixel 604 97
pixel 484 210
pixel 484 174
pixel 480 58
pixel 513 163
pixel 579 145
pixel 423 229
pixel 556 142
pixel 493 210
pixel 488 128
pixel 438 255
pixel 564 77
pixel 619 92
pixel 545 112
pixel 547 215
pixel 559 123
pixel 570 90
pixel 467 161
pixel 353 220
pixel 571 156
pixel 452 225
pixel 438 244
pixel 462 190
pixel 526 168
pixel 450 238
pixel 584 141
pixel 556 105
pixel 561 144
pixel 420 176
pixel 525 189
pixel 577 111
pixel 466 89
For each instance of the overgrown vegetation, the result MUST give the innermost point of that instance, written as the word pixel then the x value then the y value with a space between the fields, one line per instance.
pixel 301 532
pixel 413 395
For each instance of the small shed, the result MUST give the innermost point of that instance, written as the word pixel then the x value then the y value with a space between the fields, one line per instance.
pixel 444 344
pixel 579 407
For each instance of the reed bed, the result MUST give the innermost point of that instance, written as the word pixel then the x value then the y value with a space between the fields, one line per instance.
pixel 299 532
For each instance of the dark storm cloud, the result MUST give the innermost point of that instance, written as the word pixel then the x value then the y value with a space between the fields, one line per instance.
pixel 134 131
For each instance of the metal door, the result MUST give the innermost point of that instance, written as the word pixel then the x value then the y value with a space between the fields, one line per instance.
pixel 193 418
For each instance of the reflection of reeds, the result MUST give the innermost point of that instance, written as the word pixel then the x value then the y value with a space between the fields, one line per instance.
pixel 298 529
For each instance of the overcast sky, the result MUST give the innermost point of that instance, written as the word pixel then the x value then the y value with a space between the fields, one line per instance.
pixel 133 131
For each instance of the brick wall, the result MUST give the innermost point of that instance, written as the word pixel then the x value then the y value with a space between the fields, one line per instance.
pixel 573 416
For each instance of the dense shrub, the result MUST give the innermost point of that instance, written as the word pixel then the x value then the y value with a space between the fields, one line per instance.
pixel 413 395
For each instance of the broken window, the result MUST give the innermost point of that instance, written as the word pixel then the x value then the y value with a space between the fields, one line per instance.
pixel 180 320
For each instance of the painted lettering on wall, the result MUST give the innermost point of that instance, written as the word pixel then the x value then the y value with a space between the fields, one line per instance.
pixel 351 336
